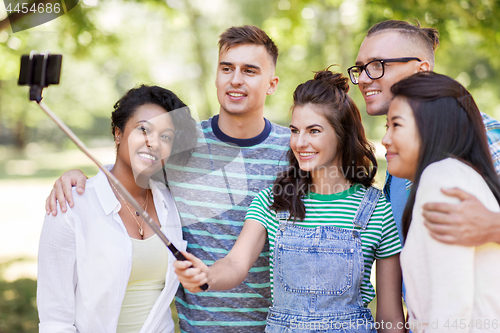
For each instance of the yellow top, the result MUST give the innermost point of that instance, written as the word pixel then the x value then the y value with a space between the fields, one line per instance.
pixel 146 282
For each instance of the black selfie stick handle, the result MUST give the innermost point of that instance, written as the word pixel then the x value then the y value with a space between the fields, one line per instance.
pixel 179 256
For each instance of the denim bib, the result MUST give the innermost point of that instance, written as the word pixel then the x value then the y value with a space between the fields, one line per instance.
pixel 318 274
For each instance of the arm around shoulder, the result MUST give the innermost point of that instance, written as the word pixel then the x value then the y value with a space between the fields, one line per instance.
pixel 62 190
pixel 435 271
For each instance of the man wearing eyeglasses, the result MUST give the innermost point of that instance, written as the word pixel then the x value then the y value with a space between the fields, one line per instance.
pixel 391 51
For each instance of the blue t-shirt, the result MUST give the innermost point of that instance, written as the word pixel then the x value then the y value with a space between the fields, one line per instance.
pixel 213 192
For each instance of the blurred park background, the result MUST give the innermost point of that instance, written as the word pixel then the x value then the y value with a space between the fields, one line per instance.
pixel 111 46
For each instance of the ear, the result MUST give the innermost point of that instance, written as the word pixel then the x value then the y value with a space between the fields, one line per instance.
pixel 424 66
pixel 273 85
pixel 118 135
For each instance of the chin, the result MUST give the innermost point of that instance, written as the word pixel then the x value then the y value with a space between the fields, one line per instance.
pixel 378 109
pixel 147 171
pixel 398 173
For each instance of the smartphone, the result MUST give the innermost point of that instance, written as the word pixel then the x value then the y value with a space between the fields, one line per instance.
pixel 32 70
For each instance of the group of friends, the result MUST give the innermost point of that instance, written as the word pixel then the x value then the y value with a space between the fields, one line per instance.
pixel 284 224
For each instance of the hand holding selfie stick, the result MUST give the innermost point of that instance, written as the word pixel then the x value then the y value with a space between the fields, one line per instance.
pixel 40 70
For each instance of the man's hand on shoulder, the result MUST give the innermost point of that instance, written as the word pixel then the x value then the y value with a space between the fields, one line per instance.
pixel 468 223
pixel 62 192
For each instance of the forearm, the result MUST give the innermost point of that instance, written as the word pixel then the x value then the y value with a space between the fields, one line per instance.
pixel 390 314
pixel 230 271
pixel 226 274
pixel 494 230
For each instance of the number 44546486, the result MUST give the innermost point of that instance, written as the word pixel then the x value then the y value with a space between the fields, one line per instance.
pixel 34 8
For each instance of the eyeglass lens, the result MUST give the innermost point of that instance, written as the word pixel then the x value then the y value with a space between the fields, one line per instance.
pixel 374 70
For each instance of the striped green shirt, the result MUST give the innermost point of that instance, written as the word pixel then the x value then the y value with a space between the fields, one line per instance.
pixel 379 240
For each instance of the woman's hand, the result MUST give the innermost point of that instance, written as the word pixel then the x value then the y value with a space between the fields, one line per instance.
pixel 192 273
pixel 228 272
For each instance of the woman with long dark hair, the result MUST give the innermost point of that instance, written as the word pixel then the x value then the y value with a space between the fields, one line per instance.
pixel 325 225
pixel 101 269
pixel 436 138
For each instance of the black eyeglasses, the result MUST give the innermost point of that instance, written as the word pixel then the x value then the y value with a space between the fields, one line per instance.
pixel 374 69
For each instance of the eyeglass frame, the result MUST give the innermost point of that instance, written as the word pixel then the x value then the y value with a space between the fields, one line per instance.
pixel 382 61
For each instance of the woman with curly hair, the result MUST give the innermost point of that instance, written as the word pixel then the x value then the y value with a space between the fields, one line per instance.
pixel 100 267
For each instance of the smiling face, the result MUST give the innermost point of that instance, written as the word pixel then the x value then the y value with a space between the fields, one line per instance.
pixel 387 45
pixel 146 141
pixel 313 140
pixel 245 76
pixel 401 140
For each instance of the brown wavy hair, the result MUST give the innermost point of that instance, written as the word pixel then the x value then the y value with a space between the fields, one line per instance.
pixel 327 90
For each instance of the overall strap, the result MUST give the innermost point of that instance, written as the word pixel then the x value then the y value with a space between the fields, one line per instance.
pixel 366 207
pixel 282 217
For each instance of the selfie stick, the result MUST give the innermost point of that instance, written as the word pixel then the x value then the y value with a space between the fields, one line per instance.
pixel 36 95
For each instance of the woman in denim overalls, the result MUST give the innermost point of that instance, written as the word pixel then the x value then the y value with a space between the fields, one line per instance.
pixel 325 225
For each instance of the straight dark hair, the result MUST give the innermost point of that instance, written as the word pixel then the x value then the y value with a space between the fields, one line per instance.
pixel 449 125
pixel 358 164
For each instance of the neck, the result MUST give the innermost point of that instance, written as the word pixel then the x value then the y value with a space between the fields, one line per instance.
pixel 327 180
pixel 241 126
pixel 138 189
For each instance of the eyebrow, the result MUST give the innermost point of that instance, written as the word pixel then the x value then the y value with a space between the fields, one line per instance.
pixel 396 117
pixel 225 63
pixel 359 63
pixel 308 127
pixel 148 122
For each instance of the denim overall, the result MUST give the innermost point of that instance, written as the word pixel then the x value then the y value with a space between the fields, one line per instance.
pixel 317 276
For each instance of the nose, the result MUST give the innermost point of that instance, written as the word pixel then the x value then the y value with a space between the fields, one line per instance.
pixel 364 78
pixel 237 79
pixel 302 141
pixel 152 141
pixel 386 140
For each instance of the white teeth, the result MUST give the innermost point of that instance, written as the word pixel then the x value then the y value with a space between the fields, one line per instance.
pixel 236 95
pixel 371 93
pixel 148 156
pixel 307 154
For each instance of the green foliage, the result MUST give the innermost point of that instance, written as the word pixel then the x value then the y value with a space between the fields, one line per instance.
pixel 17 304
pixel 111 47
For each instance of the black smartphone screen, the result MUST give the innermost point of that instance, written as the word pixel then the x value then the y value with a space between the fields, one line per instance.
pixel 32 74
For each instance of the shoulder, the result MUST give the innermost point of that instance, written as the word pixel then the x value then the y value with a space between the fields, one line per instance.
pixel 265 195
pixel 449 171
pixel 489 122
pixel 206 123
pixel 260 207
pixel 205 130
pixel 279 129
pixel 280 134
pixel 383 205
pixel 89 196
pixel 375 192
